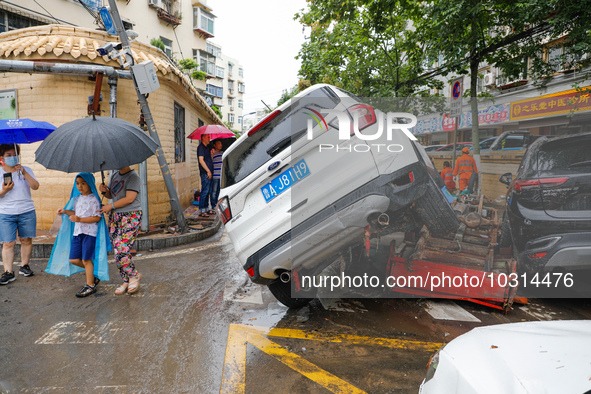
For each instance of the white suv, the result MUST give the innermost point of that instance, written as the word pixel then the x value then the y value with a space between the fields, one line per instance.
pixel 300 187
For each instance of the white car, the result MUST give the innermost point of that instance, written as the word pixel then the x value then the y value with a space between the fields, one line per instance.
pixel 530 357
pixel 300 187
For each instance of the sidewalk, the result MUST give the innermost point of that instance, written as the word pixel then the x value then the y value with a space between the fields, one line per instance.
pixel 158 237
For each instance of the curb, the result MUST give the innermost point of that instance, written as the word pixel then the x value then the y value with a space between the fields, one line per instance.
pixel 148 243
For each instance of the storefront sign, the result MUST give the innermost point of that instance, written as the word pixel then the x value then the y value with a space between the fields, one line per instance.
pixel 552 104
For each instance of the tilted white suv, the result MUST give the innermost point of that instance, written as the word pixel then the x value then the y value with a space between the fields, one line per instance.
pixel 305 181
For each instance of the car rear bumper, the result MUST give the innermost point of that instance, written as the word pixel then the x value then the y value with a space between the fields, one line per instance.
pixel 569 251
pixel 315 241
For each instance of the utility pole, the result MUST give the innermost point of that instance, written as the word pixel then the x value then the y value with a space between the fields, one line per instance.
pixel 126 50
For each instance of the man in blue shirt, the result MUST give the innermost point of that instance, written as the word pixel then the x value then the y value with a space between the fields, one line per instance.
pixel 206 173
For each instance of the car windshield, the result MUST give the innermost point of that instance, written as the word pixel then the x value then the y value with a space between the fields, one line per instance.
pixel 275 136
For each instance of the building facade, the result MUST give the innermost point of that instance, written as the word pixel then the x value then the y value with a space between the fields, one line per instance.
pixel 554 108
pixel 177 109
pixel 225 85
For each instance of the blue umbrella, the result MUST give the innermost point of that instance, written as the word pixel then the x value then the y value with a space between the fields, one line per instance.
pixel 23 131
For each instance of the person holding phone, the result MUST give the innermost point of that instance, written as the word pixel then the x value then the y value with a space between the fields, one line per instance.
pixel 17 212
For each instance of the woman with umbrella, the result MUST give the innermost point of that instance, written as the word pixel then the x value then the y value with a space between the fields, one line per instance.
pixel 17 212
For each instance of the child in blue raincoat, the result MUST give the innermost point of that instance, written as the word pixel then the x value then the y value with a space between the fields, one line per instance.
pixel 83 240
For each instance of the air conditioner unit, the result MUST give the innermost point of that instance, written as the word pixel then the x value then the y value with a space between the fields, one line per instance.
pixel 504 81
pixel 155 3
pixel 231 108
pixel 489 79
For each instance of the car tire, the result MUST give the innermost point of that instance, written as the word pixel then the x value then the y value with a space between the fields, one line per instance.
pixel 282 291
pixel 505 239
pixel 436 213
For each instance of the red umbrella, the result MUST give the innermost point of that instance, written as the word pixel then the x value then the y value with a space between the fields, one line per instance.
pixel 214 130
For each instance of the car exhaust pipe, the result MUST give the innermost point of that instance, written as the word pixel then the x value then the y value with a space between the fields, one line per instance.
pixel 285 276
pixel 384 219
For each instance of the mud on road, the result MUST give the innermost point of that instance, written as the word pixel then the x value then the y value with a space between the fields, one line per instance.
pixel 198 325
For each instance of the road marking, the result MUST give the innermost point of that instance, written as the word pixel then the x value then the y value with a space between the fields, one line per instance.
pixel 449 310
pixel 233 379
pixel 79 332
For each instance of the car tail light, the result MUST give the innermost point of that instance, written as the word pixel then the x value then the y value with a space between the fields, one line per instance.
pixel 432 365
pixel 366 114
pixel 250 272
pixel 264 122
pixel 224 210
pixel 537 255
pixel 531 183
pixel 411 176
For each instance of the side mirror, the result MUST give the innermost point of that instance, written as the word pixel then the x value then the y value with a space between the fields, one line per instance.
pixel 506 178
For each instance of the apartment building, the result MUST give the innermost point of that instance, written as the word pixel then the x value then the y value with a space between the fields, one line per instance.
pixel 225 87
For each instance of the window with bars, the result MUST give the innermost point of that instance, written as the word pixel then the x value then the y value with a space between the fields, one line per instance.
pixel 11 21
pixel 179 133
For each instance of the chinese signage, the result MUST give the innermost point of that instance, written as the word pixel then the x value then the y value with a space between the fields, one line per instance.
pixel 552 104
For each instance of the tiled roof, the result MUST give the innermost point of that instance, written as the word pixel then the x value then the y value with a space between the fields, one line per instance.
pixel 76 44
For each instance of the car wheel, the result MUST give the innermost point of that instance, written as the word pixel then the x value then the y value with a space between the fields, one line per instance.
pixel 435 212
pixel 282 291
pixel 505 237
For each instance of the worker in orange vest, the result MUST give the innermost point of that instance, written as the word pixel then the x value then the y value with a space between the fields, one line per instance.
pixel 465 166
pixel 448 176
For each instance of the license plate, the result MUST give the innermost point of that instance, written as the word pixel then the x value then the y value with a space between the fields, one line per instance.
pixel 285 180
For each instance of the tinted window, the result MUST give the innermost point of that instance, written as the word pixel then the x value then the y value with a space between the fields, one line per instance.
pixel 570 155
pixel 275 136
pixel 487 143
pixel 512 142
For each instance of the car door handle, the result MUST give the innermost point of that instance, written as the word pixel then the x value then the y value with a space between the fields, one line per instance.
pixel 297 206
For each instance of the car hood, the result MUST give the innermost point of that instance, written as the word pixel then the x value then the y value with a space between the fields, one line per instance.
pixel 529 357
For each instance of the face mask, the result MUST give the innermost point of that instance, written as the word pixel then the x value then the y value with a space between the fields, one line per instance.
pixel 11 161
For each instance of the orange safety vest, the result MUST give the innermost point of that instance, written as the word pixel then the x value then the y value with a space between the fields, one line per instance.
pixel 465 164
pixel 448 178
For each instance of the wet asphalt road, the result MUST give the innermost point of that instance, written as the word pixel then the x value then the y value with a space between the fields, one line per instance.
pixel 197 325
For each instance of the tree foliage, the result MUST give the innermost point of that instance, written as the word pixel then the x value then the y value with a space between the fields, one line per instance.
pixel 367 47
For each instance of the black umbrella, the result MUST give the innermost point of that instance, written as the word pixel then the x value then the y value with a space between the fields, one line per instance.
pixel 95 144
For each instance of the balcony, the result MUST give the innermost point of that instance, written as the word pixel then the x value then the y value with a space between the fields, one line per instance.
pixel 168 17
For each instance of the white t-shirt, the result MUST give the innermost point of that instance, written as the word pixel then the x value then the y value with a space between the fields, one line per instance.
pixel 18 200
pixel 86 207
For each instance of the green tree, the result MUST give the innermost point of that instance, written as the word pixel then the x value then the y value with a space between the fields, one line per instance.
pixel 191 67
pixel 156 42
pixel 288 94
pixel 364 46
pixel 503 33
